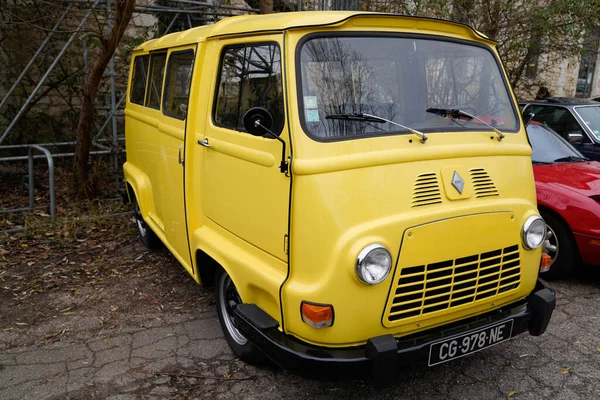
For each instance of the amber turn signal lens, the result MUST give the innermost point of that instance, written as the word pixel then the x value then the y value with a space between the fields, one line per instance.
pixel 317 315
pixel 546 262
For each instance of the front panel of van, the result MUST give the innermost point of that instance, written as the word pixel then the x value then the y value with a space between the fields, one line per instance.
pixel 456 243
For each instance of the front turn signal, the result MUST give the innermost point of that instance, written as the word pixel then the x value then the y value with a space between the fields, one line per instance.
pixel 546 263
pixel 317 315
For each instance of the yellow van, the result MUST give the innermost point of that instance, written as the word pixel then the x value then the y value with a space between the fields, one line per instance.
pixel 357 186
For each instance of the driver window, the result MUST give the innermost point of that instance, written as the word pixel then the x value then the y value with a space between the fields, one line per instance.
pixel 250 76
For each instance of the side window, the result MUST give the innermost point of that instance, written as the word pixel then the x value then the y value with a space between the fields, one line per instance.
pixel 250 76
pixel 177 84
pixel 156 78
pixel 138 84
pixel 559 119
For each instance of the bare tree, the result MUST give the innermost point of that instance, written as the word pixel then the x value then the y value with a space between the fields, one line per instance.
pixel 123 10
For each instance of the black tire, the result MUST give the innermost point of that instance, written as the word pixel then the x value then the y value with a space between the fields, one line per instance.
pixel 226 298
pixel 149 238
pixel 560 245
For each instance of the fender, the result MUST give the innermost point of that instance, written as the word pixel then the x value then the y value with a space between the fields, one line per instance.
pixel 141 186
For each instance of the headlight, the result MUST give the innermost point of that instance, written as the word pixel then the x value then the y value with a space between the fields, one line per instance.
pixel 534 232
pixel 373 264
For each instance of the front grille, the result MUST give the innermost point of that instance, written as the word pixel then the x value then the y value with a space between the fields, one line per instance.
pixel 423 289
pixel 426 190
pixel 483 186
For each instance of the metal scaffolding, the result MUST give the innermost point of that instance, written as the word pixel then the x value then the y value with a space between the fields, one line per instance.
pixel 176 15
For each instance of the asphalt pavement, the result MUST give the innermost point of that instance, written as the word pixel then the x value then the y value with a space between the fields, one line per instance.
pixel 174 355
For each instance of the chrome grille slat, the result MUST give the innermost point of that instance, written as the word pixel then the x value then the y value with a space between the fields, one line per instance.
pixel 451 283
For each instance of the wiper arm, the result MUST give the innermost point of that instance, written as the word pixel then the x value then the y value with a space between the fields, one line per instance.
pixel 571 158
pixel 455 114
pixel 375 118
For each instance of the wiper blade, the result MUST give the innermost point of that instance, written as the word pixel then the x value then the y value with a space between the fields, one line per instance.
pixel 355 117
pixel 375 118
pixel 571 158
pixel 455 114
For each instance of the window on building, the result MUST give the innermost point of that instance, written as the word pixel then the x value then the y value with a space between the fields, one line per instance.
pixel 250 76
pixel 177 84
pixel 138 84
pixel 157 62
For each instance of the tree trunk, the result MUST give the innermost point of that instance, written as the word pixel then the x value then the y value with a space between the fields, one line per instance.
pixel 122 12
pixel 266 6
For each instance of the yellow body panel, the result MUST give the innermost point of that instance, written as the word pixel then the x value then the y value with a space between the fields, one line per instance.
pixel 290 238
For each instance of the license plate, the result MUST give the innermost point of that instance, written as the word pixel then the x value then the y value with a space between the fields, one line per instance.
pixel 459 346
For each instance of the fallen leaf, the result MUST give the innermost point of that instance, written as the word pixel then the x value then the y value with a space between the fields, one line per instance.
pixel 69 313
pixel 50 335
pixel 510 394
pixel 7 329
pixel 565 371
pixel 114 308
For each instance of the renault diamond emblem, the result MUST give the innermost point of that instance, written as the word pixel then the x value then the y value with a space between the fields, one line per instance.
pixel 458 182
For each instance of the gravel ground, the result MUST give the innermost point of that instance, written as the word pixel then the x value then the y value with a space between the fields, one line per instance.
pixel 87 312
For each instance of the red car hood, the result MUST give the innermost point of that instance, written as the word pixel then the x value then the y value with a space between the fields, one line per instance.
pixel 581 177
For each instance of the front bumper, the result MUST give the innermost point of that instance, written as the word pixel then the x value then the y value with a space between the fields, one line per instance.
pixel 382 355
pixel 589 248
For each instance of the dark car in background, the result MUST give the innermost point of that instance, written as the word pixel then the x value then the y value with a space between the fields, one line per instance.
pixel 568 195
pixel 576 120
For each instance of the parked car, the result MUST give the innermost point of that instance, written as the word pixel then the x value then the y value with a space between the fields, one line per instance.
pixel 568 194
pixel 576 120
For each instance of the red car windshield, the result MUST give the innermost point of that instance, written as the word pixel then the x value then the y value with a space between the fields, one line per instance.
pixel 548 147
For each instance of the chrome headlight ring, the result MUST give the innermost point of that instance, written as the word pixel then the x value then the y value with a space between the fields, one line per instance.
pixel 534 232
pixel 373 264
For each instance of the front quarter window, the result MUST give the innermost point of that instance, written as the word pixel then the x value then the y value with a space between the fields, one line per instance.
pixel 398 78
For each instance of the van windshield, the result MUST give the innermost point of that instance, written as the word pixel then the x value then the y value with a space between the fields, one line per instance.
pixel 399 79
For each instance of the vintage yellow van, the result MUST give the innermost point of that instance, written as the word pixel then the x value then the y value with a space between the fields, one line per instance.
pixel 357 186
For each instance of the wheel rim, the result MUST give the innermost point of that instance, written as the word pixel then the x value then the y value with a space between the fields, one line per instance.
pixel 550 245
pixel 141 225
pixel 228 299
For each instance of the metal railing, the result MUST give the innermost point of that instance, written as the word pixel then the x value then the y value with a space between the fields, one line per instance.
pixel 32 206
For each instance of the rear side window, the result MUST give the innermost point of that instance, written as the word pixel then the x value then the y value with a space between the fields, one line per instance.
pixel 156 78
pixel 138 84
pixel 177 84
pixel 250 76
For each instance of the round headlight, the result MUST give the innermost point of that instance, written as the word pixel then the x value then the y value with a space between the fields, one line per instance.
pixel 373 264
pixel 534 232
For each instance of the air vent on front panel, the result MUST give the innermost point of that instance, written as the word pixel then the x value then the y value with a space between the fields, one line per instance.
pixel 482 183
pixel 426 191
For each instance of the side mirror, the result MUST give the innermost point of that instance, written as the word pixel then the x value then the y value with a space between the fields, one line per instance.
pixel 258 122
pixel 528 117
pixel 576 138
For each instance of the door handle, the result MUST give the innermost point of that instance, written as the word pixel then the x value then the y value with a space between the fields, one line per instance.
pixel 204 142
pixel 181 154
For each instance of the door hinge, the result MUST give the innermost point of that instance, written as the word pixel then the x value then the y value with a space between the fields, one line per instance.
pixel 285 244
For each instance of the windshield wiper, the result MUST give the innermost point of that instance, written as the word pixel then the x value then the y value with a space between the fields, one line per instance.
pixel 571 158
pixel 375 118
pixel 456 114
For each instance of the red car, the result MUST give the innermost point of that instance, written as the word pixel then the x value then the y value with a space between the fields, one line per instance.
pixel 568 195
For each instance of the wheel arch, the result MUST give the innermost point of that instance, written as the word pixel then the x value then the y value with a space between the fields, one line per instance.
pixel 547 210
pixel 207 268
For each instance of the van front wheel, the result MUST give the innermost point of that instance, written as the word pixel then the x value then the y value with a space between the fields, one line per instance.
pixel 149 238
pixel 226 299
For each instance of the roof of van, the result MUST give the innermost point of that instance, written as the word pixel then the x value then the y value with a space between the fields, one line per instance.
pixel 277 22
